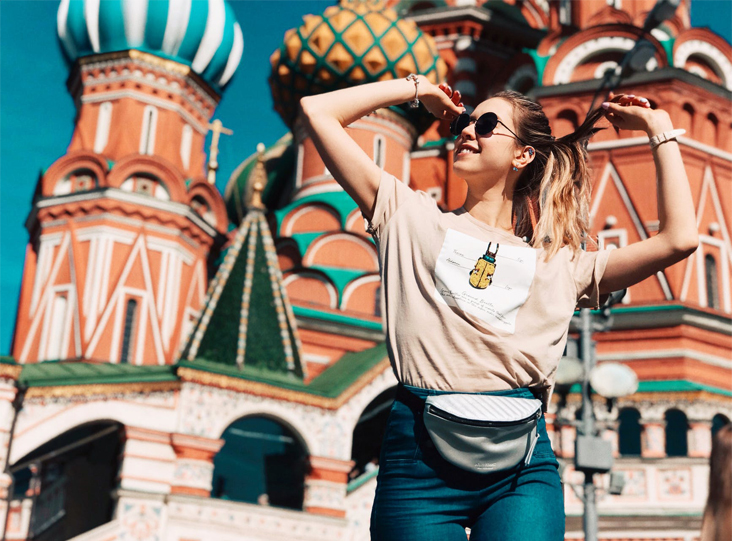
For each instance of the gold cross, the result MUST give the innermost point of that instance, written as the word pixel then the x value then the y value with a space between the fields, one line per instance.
pixel 217 128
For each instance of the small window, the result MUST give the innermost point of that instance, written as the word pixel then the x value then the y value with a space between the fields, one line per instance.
pixel 629 432
pixel 379 149
pixel 677 427
pixel 147 136
pixel 710 272
pixel 203 209
pixel 128 339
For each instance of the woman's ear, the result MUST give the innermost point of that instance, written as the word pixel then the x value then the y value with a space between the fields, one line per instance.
pixel 527 156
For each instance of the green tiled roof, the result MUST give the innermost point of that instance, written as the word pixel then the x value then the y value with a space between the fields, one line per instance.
pixel 47 374
pixel 7 360
pixel 330 383
pixel 247 321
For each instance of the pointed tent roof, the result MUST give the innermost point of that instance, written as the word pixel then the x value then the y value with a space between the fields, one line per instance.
pixel 247 320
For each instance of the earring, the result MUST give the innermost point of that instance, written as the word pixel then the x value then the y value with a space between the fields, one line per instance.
pixel 514 168
pixel 531 152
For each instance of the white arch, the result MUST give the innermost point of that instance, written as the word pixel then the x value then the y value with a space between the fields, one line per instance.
pixel 330 288
pixel 591 48
pixel 322 241
pixel 28 438
pixel 281 412
pixel 719 62
pixel 355 284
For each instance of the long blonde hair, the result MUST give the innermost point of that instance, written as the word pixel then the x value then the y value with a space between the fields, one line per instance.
pixel 557 184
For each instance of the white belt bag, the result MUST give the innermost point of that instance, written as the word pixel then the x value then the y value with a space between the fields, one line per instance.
pixel 483 433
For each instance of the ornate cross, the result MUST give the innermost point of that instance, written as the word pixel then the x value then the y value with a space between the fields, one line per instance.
pixel 217 128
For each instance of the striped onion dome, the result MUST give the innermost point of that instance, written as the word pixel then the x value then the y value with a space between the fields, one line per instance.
pixel 202 34
pixel 354 42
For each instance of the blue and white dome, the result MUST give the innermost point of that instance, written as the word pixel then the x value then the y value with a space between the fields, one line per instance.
pixel 203 34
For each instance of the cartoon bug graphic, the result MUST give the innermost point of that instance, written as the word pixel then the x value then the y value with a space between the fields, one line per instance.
pixel 482 275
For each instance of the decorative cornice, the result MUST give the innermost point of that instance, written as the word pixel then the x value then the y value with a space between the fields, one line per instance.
pixel 11 371
pixel 102 389
pixel 267 390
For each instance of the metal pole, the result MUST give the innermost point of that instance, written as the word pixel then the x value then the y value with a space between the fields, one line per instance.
pixel 589 519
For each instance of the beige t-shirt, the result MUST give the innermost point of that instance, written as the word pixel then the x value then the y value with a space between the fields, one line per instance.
pixel 448 328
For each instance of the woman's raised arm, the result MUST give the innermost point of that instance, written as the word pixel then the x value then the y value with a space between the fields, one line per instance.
pixel 327 115
pixel 677 236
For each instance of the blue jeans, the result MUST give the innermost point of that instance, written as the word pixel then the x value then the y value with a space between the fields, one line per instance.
pixel 422 497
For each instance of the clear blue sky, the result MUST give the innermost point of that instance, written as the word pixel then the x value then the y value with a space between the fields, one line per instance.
pixel 37 113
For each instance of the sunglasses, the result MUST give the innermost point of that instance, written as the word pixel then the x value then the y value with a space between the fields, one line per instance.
pixel 483 126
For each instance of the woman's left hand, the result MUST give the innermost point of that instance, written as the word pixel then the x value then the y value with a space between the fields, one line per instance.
pixel 630 112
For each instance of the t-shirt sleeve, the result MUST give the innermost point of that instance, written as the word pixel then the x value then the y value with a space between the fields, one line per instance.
pixel 392 194
pixel 589 268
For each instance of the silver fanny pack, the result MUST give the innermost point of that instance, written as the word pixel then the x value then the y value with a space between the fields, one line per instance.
pixel 483 433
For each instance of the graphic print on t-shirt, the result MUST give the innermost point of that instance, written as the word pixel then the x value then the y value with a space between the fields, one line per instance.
pixel 498 303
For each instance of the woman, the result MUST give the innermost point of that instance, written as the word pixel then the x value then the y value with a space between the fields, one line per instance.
pixel 717 521
pixel 478 300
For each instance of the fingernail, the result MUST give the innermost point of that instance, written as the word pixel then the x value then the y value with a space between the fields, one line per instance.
pixel 605 104
pixel 631 96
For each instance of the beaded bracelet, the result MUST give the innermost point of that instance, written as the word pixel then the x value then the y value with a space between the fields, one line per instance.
pixel 415 102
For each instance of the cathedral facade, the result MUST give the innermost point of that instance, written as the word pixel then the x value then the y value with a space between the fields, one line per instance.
pixel 192 366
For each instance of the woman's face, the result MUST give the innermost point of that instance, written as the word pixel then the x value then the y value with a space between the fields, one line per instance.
pixel 485 159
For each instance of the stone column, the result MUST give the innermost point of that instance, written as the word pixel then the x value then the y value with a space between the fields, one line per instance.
pixel 193 471
pixel 145 477
pixel 653 438
pixel 325 486
pixel 147 461
pixel 700 438
pixel 9 374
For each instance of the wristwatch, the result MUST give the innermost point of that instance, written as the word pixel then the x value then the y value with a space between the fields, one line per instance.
pixel 665 136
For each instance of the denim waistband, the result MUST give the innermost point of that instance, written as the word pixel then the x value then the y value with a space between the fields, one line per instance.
pixel 521 392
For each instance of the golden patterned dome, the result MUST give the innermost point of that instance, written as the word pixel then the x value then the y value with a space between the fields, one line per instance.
pixel 357 41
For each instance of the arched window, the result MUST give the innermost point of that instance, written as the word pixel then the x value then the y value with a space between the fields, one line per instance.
pixel 565 123
pixel 687 119
pixel 104 121
pixel 629 432
pixel 128 336
pixel 147 135
pixel 185 146
pixel 369 432
pixel 84 460
pixel 677 427
pixel 379 150
pixel 718 421
pixel 203 209
pixel 711 129
pixel 262 461
pixel 710 273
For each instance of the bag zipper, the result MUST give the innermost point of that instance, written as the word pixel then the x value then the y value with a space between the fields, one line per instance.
pixel 437 412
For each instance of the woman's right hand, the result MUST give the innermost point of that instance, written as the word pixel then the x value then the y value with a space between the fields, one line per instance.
pixel 440 100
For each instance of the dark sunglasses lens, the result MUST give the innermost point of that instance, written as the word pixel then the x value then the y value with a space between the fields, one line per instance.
pixel 486 123
pixel 460 123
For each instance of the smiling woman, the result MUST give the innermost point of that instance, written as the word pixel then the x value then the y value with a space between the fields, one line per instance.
pixel 501 275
